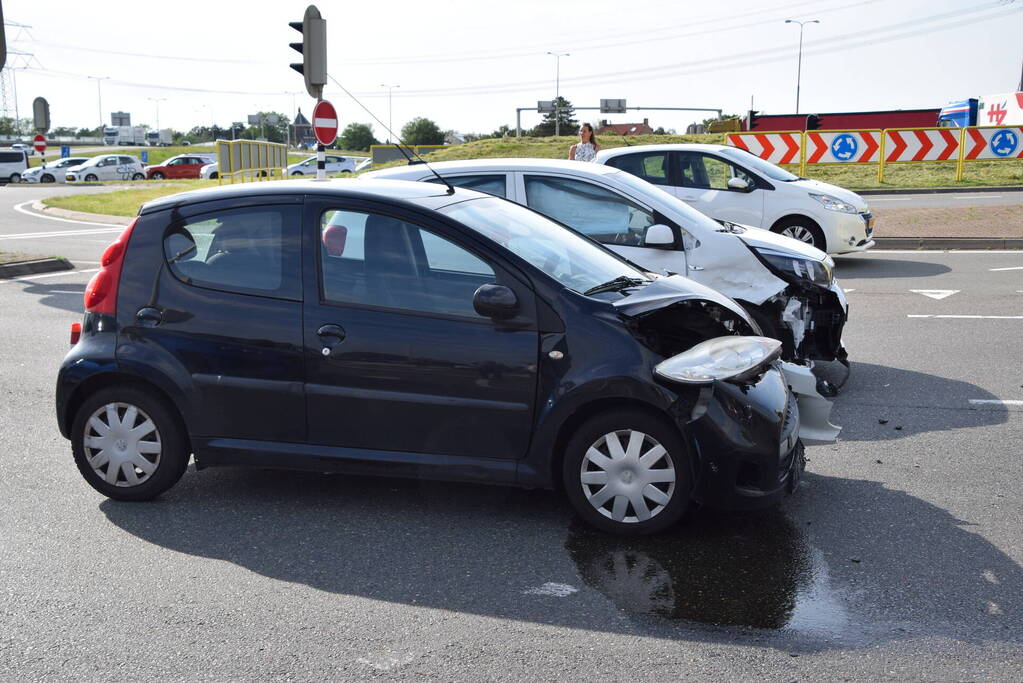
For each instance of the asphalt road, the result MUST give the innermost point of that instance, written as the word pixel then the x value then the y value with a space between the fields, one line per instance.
pixel 958 199
pixel 899 557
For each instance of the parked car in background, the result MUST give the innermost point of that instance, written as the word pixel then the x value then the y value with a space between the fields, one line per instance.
pixel 13 163
pixel 27 149
pixel 181 166
pixel 52 171
pixel 334 164
pixel 209 171
pixel 786 285
pixel 107 167
pixel 730 184
pixel 294 324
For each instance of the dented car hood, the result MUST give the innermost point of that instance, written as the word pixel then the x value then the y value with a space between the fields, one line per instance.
pixel 765 239
pixel 665 291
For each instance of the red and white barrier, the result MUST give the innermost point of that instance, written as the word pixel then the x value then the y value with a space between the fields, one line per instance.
pixel 842 146
pixel 778 148
pixel 914 144
pixel 993 143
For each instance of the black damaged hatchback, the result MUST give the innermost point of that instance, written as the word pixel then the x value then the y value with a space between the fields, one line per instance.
pixel 392 328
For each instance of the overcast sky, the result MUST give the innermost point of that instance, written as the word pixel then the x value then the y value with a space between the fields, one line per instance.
pixel 467 64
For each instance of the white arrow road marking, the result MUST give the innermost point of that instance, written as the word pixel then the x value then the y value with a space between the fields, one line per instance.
pixel 970 317
pixel 936 293
pixel 995 270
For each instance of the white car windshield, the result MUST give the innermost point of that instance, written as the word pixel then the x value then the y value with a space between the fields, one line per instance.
pixel 571 259
pixel 754 162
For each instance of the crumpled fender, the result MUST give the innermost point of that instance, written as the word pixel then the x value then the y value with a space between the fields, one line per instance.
pixel 814 410
pixel 731 268
pixel 667 290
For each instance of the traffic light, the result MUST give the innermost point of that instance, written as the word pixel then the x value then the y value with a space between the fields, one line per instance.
pixel 813 122
pixel 313 66
pixel 751 119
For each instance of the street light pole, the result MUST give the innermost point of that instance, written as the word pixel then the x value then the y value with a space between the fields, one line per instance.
pixel 557 89
pixel 99 96
pixel 390 122
pixel 158 100
pixel 799 63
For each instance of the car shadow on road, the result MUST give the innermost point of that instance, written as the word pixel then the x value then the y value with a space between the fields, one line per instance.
pixel 65 296
pixel 850 267
pixel 846 564
pixel 882 403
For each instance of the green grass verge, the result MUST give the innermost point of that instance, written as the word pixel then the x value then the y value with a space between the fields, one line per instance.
pixel 123 202
pixel 158 155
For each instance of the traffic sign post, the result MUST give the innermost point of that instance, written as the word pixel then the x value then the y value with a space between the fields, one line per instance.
pixel 325 130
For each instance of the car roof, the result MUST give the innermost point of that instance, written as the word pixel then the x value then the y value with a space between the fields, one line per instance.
pixel 494 165
pixel 675 147
pixel 399 191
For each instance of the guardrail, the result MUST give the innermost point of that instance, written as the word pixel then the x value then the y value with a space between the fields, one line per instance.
pixel 249 160
pixel 884 147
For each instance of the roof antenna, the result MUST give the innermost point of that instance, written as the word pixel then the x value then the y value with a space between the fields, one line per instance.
pixel 404 150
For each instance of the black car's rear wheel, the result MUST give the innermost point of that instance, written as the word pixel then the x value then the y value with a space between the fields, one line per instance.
pixel 628 472
pixel 128 444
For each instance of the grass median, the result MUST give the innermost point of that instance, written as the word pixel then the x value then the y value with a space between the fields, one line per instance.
pixel 123 202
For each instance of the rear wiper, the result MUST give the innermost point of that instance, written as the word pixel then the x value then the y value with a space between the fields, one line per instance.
pixel 619 283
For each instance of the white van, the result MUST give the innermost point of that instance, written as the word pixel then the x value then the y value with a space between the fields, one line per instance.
pixel 13 162
pixel 730 184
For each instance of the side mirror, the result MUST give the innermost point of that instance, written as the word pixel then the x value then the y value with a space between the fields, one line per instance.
pixel 495 301
pixel 740 184
pixel 658 235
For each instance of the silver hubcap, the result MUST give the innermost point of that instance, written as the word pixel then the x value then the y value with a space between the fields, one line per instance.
pixel 627 476
pixel 798 232
pixel 122 444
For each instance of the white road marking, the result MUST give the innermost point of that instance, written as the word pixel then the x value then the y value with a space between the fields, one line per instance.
pixel 29 278
pixel 936 293
pixel 970 317
pixel 977 196
pixel 919 252
pixel 60 233
pixel 19 208
pixel 996 270
pixel 62 291
pixel 848 290
pixel 994 402
pixel 558 590
pixel 891 199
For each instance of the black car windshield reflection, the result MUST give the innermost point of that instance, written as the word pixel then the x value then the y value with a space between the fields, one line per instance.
pixel 574 261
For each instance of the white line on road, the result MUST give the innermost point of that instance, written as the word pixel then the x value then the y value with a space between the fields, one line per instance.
pixel 19 208
pixel 60 233
pixel 995 270
pixel 29 278
pixel 970 317
pixel 929 252
pixel 63 291
pixel 977 196
pixel 989 402
pixel 891 199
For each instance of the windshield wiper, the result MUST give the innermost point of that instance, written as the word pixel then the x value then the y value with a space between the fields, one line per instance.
pixel 619 283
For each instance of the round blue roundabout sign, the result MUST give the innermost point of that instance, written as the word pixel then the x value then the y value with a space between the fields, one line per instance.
pixel 844 147
pixel 1004 143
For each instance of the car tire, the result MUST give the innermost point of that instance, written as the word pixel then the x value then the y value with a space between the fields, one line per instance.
pixel 138 176
pixel 15 178
pixel 297 173
pixel 659 488
pixel 214 175
pixel 47 178
pixel 91 178
pixel 157 176
pixel 802 229
pixel 146 436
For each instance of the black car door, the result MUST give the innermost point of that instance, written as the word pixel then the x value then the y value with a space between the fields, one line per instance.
pixel 397 359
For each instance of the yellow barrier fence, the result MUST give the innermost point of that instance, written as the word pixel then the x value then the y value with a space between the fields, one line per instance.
pixel 247 160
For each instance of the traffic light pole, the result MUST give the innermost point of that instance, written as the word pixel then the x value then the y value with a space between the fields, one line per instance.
pixel 321 162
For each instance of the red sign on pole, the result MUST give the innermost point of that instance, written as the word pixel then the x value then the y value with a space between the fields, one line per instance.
pixel 39 142
pixel 324 122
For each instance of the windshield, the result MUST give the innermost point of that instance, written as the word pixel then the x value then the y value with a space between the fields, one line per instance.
pixel 569 258
pixel 757 164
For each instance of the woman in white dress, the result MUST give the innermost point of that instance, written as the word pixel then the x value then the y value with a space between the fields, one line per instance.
pixel 587 147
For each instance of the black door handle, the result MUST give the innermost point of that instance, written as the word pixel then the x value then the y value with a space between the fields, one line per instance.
pixel 335 332
pixel 149 316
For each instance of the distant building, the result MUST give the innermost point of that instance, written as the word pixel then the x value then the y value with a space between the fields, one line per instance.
pixel 303 130
pixel 606 128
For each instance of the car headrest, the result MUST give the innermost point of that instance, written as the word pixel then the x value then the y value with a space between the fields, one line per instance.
pixel 334 238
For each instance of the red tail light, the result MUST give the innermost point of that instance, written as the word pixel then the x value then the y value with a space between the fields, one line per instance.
pixel 76 333
pixel 101 294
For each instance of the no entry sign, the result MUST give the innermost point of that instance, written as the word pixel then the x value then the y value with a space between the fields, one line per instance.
pixel 324 122
pixel 39 142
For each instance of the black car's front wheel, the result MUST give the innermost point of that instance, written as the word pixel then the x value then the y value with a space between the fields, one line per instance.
pixel 128 444
pixel 628 472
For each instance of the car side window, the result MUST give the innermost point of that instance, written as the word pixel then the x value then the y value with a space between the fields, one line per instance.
pixel 708 172
pixel 495 184
pixel 253 250
pixel 108 161
pixel 374 260
pixel 592 210
pixel 650 166
pixel 127 160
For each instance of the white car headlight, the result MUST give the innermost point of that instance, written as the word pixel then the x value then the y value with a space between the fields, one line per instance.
pixel 834 203
pixel 721 358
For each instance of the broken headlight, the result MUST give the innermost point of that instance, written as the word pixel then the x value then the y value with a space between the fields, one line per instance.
pixel 734 358
pixel 791 267
pixel 833 203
